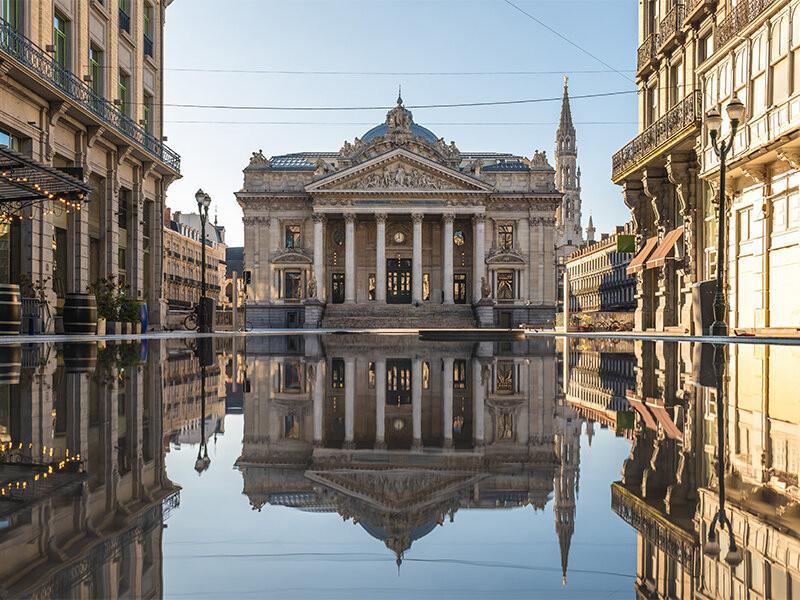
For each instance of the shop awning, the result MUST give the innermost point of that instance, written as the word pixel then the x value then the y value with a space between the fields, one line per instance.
pixel 637 264
pixel 640 407
pixel 659 256
pixel 659 410
pixel 24 181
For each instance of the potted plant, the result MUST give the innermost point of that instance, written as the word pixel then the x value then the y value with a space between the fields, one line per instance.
pixel 129 312
pixel 105 293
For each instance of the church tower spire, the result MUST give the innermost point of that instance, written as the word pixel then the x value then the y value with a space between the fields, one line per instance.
pixel 568 178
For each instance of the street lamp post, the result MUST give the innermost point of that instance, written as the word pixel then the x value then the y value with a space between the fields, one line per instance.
pixel 203 202
pixel 736 111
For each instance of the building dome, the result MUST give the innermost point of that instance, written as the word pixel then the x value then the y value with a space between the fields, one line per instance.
pixel 383 129
pixel 399 120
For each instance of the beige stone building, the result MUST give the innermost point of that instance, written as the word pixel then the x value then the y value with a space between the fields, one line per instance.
pixel 695 56
pixel 400 228
pixel 81 87
pixel 183 260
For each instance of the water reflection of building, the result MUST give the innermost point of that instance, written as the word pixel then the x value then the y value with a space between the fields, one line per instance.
pixel 83 477
pixel 669 491
pixel 400 435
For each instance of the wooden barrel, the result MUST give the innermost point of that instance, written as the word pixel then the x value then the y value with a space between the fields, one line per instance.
pixel 10 364
pixel 80 314
pixel 80 357
pixel 10 308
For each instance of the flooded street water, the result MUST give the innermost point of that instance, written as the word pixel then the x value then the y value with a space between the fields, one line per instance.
pixel 361 466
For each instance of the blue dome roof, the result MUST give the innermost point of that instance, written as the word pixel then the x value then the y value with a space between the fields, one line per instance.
pixel 383 129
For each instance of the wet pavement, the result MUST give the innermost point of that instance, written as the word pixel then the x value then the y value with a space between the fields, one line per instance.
pixel 361 465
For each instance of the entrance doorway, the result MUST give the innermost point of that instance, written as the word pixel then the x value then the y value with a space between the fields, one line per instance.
pixel 337 288
pixel 398 281
pixel 460 288
pixel 398 382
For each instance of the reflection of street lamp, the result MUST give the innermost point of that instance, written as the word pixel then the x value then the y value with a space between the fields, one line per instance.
pixel 203 202
pixel 204 352
pixel 712 546
pixel 736 111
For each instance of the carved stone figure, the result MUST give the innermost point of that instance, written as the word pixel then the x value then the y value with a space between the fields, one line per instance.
pixel 311 291
pixel 258 158
pixel 486 289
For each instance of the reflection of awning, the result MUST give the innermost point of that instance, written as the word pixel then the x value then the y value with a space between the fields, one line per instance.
pixel 658 409
pixel 637 264
pixel 659 257
pixel 23 181
pixel 637 404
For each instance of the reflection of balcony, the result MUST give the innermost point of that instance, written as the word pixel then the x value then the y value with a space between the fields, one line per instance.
pixel 697 9
pixel 742 16
pixel 31 59
pixel 683 117
pixel 647 53
pixel 670 28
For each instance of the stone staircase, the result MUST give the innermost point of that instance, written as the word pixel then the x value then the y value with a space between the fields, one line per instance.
pixel 398 316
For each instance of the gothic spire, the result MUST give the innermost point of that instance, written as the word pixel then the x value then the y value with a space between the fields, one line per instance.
pixel 565 125
pixel 400 95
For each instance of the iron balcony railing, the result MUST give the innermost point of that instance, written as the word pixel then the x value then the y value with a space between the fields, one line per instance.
pixel 124 21
pixel 672 23
pixel 744 14
pixel 33 58
pixel 686 113
pixel 148 46
pixel 647 51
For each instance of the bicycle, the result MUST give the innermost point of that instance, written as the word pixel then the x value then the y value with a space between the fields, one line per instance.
pixel 192 321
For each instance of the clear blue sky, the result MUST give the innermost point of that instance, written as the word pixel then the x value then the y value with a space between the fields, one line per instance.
pixel 396 36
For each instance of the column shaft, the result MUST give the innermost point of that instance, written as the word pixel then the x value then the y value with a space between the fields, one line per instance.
pixel 479 255
pixel 380 258
pixel 319 256
pixel 416 402
pixel 416 261
pixel 478 397
pixel 319 394
pixel 380 403
pixel 447 401
pixel 350 259
pixel 349 399
pixel 447 257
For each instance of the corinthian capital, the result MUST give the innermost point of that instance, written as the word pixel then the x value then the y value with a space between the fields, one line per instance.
pixel 349 217
pixel 448 217
pixel 417 217
pixel 319 217
pixel 479 218
pixel 380 217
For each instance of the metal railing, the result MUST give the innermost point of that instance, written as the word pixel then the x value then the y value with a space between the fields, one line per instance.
pixel 647 51
pixel 148 45
pixel 744 14
pixel 671 24
pixel 686 113
pixel 33 58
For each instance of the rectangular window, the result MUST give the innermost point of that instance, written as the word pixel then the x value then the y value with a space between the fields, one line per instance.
pixel 505 235
pixel 292 288
pixel 459 374
pixel 371 286
pixel 337 374
pixel 8 140
pixel 293 236
pixel 291 378
pixel 706 47
pixel 291 427
pixel 97 73
pixel 61 41
pixel 505 285
pixel 124 207
pixel 123 92
pixel 148 30
pixel 371 375
pixel 12 13
pixel 426 287
pixel 676 83
pixel 426 375
pixel 125 15
pixel 147 114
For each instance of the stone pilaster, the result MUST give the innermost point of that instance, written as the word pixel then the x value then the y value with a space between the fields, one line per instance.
pixel 380 257
pixel 479 255
pixel 349 401
pixel 416 259
pixel 641 213
pixel 350 258
pixel 447 402
pixel 380 403
pixel 447 256
pixel 319 256
pixel 416 402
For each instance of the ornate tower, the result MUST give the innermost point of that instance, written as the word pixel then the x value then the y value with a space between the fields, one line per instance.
pixel 590 230
pixel 568 181
pixel 568 449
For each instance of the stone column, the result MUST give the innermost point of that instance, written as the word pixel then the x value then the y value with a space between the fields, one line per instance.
pixel 380 258
pixel 447 257
pixel 319 396
pixel 478 255
pixel 350 258
pixel 274 242
pixel 416 402
pixel 447 401
pixel 549 262
pixel 349 400
pixel 658 189
pixel 380 403
pixel 416 262
pixel 110 239
pixel 478 401
pixel 319 255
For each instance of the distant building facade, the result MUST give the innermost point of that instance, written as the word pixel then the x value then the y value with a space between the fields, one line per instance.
pixel 598 278
pixel 183 260
pixel 82 89
pixel 399 227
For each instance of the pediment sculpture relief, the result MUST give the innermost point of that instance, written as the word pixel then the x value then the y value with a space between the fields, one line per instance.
pixel 400 177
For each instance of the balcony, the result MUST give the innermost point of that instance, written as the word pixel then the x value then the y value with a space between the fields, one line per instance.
pixel 148 46
pixel 124 21
pixel 647 53
pixel 697 9
pixel 681 118
pixel 32 59
pixel 745 14
pixel 670 29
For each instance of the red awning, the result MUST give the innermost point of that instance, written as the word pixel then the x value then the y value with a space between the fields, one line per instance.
pixel 641 409
pixel 637 264
pixel 659 257
pixel 663 416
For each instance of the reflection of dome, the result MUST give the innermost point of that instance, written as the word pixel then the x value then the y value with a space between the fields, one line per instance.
pixel 383 129
pixel 397 540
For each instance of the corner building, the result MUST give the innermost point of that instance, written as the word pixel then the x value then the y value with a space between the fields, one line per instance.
pixel 400 228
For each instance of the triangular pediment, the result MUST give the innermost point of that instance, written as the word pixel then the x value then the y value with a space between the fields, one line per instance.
pixel 399 171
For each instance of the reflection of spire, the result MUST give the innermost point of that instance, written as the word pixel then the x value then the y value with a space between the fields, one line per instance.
pixel 565 486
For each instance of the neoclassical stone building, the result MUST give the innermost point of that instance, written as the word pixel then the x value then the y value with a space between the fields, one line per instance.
pixel 400 228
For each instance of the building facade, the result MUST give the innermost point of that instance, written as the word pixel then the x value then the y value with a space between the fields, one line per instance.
pixel 693 57
pixel 598 277
pixel 82 89
pixel 401 228
pixel 183 260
